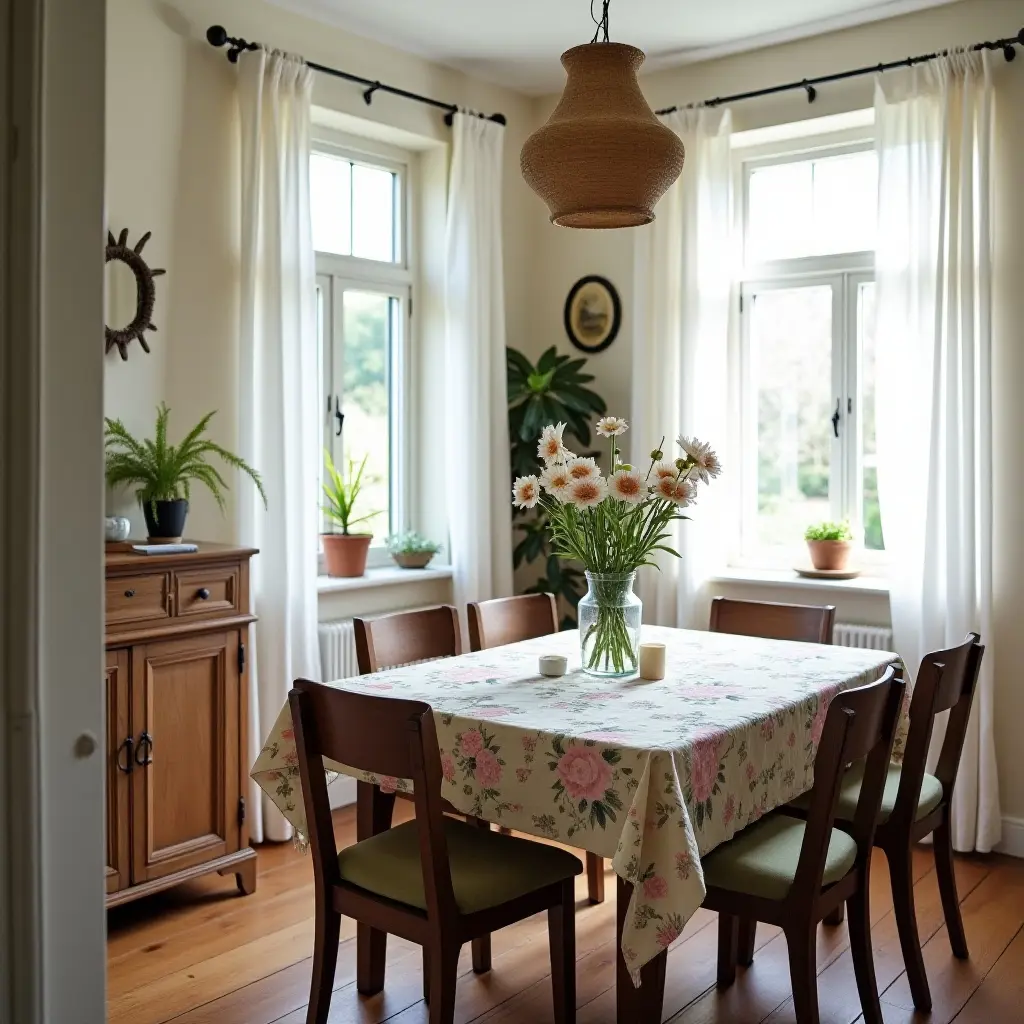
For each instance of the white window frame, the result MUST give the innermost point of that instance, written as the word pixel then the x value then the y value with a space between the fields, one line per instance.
pixel 336 274
pixel 844 273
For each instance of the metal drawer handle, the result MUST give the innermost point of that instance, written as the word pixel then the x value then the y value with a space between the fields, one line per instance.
pixel 129 593
pixel 142 759
pixel 202 593
pixel 126 745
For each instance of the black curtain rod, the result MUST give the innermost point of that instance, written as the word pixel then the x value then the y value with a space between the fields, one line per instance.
pixel 808 84
pixel 216 35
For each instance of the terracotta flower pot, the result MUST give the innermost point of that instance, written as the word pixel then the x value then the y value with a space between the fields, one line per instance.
pixel 345 554
pixel 829 555
pixel 414 560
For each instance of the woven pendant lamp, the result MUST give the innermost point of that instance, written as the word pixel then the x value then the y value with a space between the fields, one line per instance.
pixel 603 159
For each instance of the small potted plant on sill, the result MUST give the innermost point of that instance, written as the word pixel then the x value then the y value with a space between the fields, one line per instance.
pixel 345 552
pixel 829 545
pixel 412 550
pixel 164 472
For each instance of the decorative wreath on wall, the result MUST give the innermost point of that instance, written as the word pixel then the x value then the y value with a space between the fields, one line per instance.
pixel 145 294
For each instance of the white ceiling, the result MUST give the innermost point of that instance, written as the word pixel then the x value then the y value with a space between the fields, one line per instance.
pixel 517 42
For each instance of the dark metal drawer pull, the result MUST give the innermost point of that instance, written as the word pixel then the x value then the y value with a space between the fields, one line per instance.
pixel 202 593
pixel 145 743
pixel 126 745
pixel 129 593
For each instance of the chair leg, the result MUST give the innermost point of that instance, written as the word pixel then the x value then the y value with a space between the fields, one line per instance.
pixel 481 946
pixel 900 872
pixel 562 939
pixel 444 975
pixel 745 941
pixel 803 972
pixel 325 960
pixel 728 932
pixel 942 840
pixel 863 957
pixel 835 917
pixel 426 975
pixel 595 878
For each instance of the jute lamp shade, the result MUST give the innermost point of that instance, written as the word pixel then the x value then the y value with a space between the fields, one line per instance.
pixel 602 160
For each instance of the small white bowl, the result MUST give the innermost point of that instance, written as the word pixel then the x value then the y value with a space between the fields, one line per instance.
pixel 553 664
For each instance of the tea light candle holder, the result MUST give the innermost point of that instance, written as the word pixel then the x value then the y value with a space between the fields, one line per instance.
pixel 553 664
pixel 652 661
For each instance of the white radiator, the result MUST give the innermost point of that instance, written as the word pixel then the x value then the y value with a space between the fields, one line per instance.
pixel 337 650
pixel 875 638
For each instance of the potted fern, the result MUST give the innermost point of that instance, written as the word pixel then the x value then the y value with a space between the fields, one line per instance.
pixel 345 552
pixel 163 473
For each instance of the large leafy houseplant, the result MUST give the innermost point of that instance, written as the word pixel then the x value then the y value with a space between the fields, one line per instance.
pixel 553 391
pixel 163 473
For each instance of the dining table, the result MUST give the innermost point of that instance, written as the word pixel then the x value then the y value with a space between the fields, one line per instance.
pixel 653 775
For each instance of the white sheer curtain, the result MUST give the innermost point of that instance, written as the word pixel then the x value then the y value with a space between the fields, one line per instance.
pixel 683 275
pixel 475 400
pixel 278 401
pixel 934 412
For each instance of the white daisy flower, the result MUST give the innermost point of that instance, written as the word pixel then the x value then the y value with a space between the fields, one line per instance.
pixel 588 492
pixel 556 480
pixel 685 493
pixel 628 485
pixel 705 460
pixel 583 469
pixel 526 492
pixel 550 447
pixel 664 470
pixel 665 487
pixel 611 426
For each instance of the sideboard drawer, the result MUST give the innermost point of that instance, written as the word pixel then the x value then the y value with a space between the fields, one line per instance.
pixel 207 592
pixel 137 598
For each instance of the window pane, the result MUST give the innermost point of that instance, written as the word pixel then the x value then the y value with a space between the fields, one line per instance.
pixel 869 451
pixel 845 195
pixel 330 203
pixel 812 207
pixel 369 319
pixel 373 213
pixel 779 212
pixel 791 363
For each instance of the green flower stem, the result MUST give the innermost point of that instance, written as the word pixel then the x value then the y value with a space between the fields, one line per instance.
pixel 612 642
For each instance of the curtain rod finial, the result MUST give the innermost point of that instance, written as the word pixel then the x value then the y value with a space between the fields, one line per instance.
pixel 216 35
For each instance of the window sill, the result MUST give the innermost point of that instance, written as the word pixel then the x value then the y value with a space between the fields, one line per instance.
pixel 386 576
pixel 787 578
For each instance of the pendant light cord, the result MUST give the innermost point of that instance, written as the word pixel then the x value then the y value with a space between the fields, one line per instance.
pixel 602 22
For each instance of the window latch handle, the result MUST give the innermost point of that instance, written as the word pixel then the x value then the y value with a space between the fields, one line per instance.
pixel 338 415
pixel 835 419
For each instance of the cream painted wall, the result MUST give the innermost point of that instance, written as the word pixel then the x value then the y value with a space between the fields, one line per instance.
pixel 172 169
pixel 563 255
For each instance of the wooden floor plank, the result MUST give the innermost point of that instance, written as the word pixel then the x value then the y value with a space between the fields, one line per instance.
pixel 202 955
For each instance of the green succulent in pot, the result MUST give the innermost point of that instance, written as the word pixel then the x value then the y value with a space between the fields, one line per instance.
pixel 411 550
pixel 163 473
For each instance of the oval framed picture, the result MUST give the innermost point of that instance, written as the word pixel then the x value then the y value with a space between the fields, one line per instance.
pixel 593 313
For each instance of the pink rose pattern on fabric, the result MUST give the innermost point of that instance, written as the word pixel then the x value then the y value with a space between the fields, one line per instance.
pixel 584 773
pixel 656 813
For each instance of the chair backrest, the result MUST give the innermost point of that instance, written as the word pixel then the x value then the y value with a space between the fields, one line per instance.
pixel 946 681
pixel 810 623
pixel 384 736
pixel 405 637
pixel 507 620
pixel 860 725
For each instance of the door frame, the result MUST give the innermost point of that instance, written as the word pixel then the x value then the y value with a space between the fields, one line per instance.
pixel 52 921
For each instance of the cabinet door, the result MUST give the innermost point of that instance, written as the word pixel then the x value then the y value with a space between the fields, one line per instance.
pixel 117 768
pixel 185 786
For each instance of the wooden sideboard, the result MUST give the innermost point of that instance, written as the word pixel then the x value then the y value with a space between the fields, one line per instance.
pixel 176 690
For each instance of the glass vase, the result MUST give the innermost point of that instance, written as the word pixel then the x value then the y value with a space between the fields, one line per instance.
pixel 609 620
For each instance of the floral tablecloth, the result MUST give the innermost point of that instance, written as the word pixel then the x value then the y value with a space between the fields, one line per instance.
pixel 651 774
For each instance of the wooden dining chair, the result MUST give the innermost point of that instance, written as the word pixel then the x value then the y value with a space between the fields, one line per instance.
pixel 507 620
pixel 435 880
pixel 810 623
pixel 406 637
pixel 916 804
pixel 792 873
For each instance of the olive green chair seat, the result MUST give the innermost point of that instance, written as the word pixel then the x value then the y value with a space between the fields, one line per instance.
pixel 930 798
pixel 762 859
pixel 487 868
